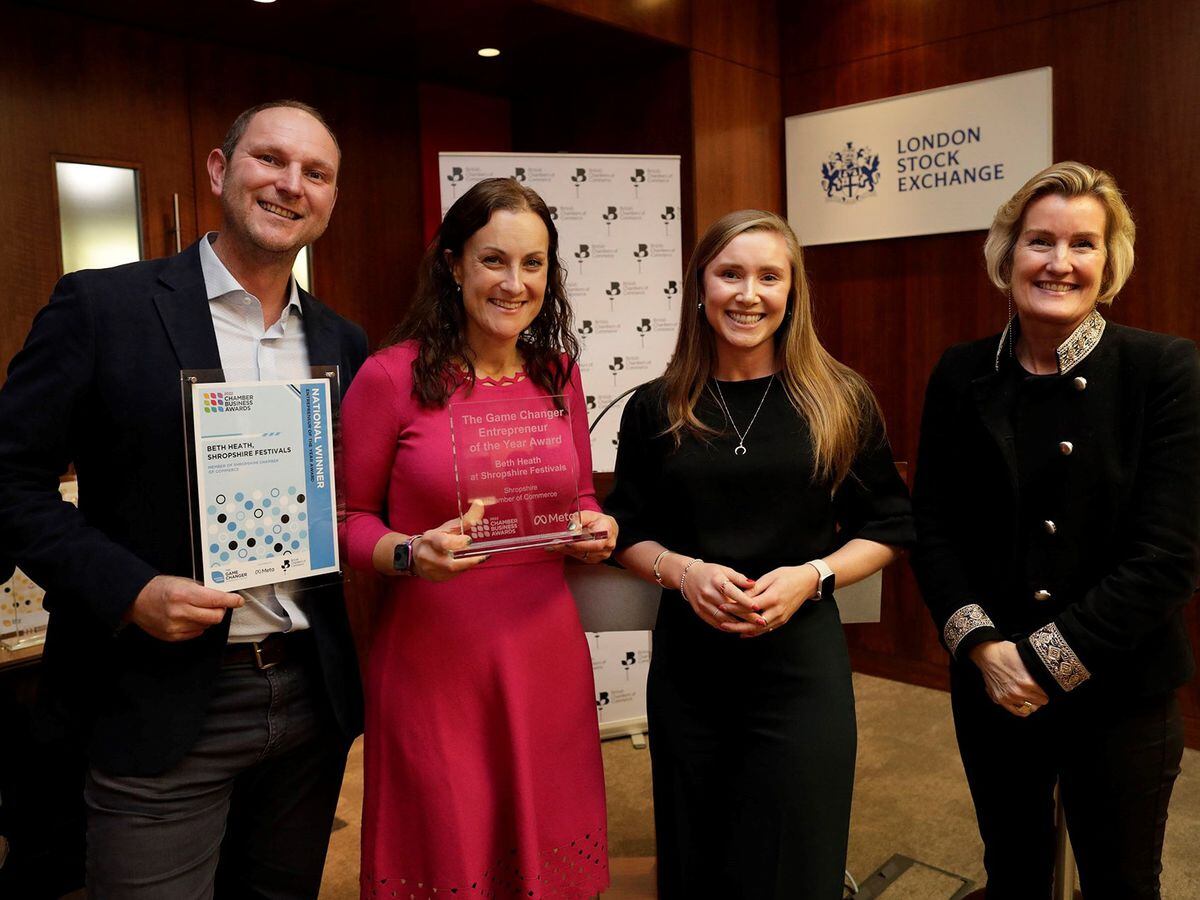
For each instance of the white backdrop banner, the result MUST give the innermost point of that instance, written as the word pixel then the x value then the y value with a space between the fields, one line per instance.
pixel 620 664
pixel 926 163
pixel 618 225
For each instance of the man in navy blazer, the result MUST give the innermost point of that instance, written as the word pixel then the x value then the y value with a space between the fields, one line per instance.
pixel 216 724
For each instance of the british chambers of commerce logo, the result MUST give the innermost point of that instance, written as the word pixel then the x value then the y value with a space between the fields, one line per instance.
pixel 850 173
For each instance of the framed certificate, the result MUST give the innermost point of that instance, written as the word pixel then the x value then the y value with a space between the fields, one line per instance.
pixel 261 465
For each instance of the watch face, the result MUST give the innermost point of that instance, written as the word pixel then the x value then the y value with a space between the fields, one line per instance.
pixel 400 557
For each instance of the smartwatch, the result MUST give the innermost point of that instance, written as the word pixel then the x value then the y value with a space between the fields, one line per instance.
pixel 403 556
pixel 825 580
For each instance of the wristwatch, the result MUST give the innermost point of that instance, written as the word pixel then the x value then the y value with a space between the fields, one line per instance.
pixel 403 557
pixel 825 580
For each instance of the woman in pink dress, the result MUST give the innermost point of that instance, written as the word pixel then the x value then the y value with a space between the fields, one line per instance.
pixel 483 769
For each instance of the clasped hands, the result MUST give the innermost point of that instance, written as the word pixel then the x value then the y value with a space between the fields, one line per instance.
pixel 729 601
pixel 1008 681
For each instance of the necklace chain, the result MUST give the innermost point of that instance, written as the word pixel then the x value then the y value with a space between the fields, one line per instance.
pixel 740 449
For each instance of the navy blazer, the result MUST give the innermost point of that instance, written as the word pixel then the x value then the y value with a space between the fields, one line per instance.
pixel 97 385
pixel 1088 571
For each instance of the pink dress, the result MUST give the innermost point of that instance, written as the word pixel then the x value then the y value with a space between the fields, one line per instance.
pixel 483 769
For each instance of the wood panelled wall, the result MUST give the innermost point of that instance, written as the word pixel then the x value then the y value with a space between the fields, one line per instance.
pixel 734 156
pixel 1125 78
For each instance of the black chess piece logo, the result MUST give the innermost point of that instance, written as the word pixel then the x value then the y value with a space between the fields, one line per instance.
pixel 609 217
pixel 577 179
pixel 641 253
pixel 612 291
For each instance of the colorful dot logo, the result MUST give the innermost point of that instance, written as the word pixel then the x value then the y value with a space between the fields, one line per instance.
pixel 214 401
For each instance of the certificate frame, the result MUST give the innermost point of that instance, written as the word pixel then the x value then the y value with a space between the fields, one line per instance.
pixel 263 494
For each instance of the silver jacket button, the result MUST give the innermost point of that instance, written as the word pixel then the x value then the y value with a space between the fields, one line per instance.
pixel 1041 596
pixel 1066 448
pixel 1080 383
pixel 1050 527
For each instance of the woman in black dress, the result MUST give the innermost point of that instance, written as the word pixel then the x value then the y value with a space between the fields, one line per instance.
pixel 1058 512
pixel 749 477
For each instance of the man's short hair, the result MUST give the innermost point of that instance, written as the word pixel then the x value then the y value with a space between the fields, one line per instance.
pixel 242 122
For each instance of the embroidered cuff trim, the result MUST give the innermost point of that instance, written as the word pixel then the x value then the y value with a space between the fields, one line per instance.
pixel 962 623
pixel 1058 657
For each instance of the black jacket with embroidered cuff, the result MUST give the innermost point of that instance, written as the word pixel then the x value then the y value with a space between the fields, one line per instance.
pixel 1088 564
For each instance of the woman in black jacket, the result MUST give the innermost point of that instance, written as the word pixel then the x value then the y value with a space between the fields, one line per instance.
pixel 1057 499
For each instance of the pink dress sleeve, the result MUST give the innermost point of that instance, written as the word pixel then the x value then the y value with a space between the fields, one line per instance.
pixel 583 442
pixel 370 429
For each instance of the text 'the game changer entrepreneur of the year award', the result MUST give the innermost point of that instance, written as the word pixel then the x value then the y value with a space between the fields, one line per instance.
pixel 515 463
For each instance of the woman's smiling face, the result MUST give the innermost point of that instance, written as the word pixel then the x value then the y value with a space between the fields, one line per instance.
pixel 1058 261
pixel 502 272
pixel 746 290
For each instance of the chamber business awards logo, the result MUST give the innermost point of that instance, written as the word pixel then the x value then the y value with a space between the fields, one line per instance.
pixel 214 401
pixel 223 401
pixel 850 173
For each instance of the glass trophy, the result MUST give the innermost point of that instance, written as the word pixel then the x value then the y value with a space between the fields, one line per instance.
pixel 516 474
pixel 260 461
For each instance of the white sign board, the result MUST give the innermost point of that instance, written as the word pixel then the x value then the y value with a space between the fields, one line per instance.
pixel 619 227
pixel 620 663
pixel 926 163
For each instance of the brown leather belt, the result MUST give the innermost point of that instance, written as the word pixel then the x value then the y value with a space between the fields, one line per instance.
pixel 269 652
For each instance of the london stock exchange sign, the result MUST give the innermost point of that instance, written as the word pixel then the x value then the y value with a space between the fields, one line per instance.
pixel 926 163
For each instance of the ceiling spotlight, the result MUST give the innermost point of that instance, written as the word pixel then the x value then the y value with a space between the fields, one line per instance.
pixel 489 52
pixel 264 1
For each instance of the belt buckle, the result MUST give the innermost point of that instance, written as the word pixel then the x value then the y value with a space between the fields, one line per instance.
pixel 259 663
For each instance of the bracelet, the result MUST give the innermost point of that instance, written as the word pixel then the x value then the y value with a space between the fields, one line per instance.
pixel 657 574
pixel 683 576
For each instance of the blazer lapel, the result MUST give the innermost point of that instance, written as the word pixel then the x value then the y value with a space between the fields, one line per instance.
pixel 324 348
pixel 183 307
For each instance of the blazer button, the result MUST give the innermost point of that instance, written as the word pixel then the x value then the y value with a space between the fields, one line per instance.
pixel 1066 448
pixel 1080 383
pixel 1050 527
pixel 1042 595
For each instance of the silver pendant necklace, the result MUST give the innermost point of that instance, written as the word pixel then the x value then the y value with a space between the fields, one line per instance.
pixel 740 449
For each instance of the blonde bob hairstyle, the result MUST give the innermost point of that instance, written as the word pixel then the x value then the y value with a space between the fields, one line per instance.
pixel 1066 179
pixel 834 400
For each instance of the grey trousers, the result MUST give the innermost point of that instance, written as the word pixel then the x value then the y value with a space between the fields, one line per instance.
pixel 247 813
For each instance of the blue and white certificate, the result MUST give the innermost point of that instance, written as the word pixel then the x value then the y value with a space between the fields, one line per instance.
pixel 263 458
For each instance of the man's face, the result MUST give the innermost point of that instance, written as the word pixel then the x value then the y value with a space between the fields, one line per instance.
pixel 278 190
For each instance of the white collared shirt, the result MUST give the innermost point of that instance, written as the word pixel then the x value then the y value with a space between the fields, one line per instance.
pixel 250 352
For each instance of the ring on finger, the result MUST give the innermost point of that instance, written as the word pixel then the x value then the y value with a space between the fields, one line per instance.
pixel 1026 707
pixel 724 586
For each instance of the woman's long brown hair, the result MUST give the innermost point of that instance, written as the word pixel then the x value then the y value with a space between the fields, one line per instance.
pixel 437 323
pixel 834 400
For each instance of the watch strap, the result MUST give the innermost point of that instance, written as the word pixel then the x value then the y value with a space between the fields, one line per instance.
pixel 826 579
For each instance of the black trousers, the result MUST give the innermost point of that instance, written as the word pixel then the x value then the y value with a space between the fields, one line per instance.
pixel 752 746
pixel 1115 758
